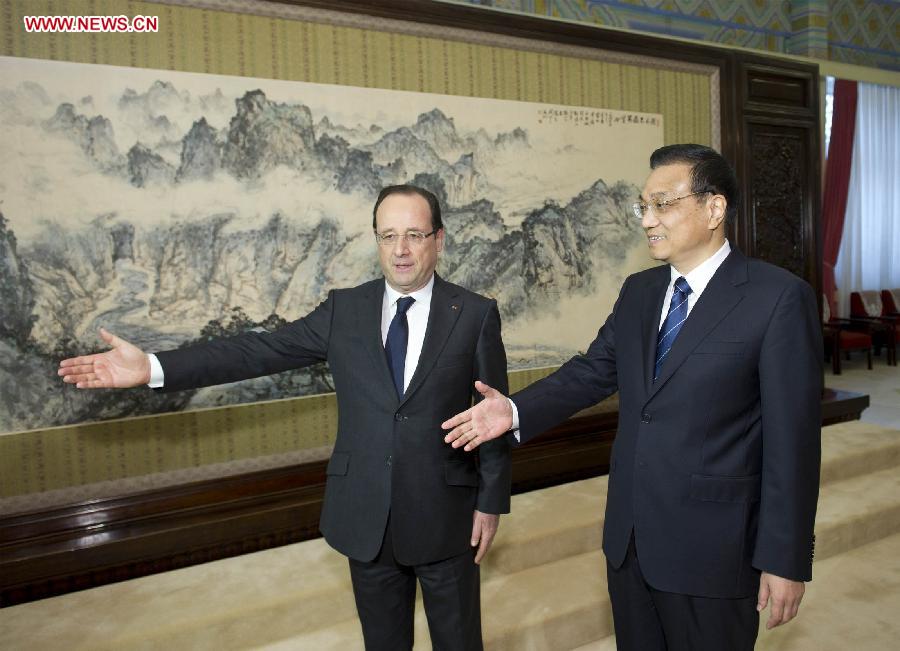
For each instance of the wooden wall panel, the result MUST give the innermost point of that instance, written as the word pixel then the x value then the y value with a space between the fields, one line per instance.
pixel 778 164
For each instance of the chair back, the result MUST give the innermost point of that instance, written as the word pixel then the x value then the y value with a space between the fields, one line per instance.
pixel 865 304
pixel 890 299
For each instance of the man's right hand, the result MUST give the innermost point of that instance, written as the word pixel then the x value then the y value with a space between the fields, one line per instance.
pixel 124 366
pixel 487 420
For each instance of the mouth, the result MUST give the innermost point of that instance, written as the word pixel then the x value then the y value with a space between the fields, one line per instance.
pixel 403 266
pixel 653 239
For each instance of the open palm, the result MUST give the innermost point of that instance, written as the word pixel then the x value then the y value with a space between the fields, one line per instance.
pixel 124 365
pixel 487 420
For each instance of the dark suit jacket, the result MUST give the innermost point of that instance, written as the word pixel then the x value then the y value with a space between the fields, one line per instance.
pixel 715 466
pixel 389 455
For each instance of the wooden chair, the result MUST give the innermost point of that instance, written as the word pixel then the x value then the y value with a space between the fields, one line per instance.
pixel 867 306
pixel 843 336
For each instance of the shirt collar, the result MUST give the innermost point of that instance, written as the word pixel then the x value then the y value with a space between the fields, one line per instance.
pixel 422 295
pixel 700 276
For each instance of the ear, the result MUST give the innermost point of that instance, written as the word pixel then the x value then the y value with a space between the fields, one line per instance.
pixel 717 209
pixel 439 240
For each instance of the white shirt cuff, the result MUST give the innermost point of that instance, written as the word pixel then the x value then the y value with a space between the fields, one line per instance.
pixel 515 419
pixel 157 377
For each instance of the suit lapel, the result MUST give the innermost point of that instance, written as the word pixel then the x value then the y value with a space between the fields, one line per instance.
pixel 652 307
pixel 446 306
pixel 718 299
pixel 370 326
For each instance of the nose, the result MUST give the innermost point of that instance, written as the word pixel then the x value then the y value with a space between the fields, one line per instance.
pixel 649 219
pixel 401 246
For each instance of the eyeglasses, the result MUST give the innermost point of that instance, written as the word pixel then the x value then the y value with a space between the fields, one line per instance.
pixel 413 238
pixel 659 207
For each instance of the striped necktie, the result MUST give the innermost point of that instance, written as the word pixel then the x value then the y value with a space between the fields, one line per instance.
pixel 678 313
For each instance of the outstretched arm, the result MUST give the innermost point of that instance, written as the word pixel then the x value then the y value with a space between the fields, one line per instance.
pixel 123 366
pixel 582 381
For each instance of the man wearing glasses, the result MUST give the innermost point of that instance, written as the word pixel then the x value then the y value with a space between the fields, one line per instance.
pixel 404 351
pixel 714 471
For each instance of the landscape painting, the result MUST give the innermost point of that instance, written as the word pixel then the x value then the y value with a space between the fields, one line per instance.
pixel 174 207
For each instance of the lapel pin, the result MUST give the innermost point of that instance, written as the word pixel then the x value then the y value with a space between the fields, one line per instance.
pixel 454 307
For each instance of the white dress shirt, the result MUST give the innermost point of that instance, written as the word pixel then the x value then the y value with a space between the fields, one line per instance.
pixel 697 279
pixel 416 318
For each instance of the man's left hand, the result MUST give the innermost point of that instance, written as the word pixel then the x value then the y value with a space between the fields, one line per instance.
pixel 484 527
pixel 785 596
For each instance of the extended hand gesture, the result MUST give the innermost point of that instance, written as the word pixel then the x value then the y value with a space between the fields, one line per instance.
pixel 124 366
pixel 487 420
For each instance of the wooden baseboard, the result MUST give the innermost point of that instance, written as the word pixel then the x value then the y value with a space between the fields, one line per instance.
pixel 92 543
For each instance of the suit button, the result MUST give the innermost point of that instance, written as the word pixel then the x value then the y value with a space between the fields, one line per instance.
pixel 642 464
pixel 398 416
pixel 645 417
pixel 388 461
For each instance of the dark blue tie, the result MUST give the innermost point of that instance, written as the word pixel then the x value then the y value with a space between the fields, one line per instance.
pixel 678 312
pixel 397 338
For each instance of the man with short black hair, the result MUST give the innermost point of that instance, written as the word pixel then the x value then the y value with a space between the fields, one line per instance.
pixel 714 472
pixel 403 351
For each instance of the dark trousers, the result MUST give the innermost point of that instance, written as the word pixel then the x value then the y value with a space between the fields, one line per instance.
pixel 385 593
pixel 646 619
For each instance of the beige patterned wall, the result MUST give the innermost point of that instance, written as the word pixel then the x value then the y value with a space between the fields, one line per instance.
pixel 53 466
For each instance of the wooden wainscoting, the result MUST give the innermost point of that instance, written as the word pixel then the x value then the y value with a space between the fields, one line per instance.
pixel 59 550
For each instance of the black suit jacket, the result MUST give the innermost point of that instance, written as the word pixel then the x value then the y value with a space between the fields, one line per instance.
pixel 389 455
pixel 715 466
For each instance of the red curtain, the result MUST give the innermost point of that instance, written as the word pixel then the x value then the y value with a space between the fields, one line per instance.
pixel 837 181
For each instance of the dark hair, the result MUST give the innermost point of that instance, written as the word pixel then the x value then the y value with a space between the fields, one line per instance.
pixel 710 172
pixel 436 221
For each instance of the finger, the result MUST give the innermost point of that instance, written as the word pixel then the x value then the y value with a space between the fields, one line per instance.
pixel 456 437
pixel 459 419
pixel 461 435
pixel 482 550
pixel 78 377
pixel 469 443
pixel 476 531
pixel 485 390
pixel 776 614
pixel 81 360
pixel 795 607
pixel 472 444
pixel 75 368
pixel 763 598
pixel 109 337
pixel 487 539
pixel 790 612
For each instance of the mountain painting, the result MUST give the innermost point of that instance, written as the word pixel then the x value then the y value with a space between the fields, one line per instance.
pixel 174 207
